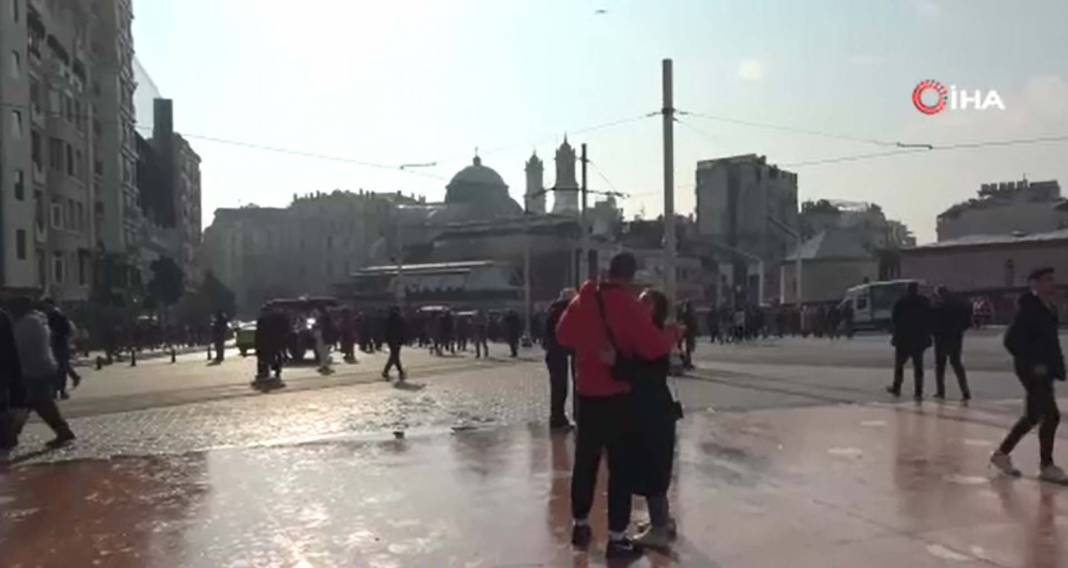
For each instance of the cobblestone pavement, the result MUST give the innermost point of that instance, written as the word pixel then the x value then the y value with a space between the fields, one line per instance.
pixel 827 487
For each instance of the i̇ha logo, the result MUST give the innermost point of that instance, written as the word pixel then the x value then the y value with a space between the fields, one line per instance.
pixel 932 97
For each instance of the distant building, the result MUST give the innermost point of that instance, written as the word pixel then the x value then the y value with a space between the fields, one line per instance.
pixel 566 190
pixel 1005 208
pixel 867 219
pixel 992 266
pixel 461 285
pixel 742 204
pixel 832 261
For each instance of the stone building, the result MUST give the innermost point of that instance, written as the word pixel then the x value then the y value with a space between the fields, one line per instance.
pixel 831 262
pixel 1005 208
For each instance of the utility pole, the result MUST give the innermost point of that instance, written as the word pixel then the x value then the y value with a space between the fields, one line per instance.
pixel 584 238
pixel 528 310
pixel 400 262
pixel 668 111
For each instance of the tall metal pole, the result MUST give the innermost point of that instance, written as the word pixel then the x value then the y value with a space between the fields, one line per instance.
pixel 400 261
pixel 670 284
pixel 584 239
pixel 527 306
pixel 797 268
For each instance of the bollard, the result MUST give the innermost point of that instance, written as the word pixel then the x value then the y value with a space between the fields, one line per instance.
pixel 133 357
pixel 99 362
pixel 209 352
pixel 174 355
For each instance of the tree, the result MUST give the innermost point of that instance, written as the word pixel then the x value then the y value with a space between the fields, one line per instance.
pixel 167 283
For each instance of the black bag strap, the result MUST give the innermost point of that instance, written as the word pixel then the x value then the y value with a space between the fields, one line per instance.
pixel 604 320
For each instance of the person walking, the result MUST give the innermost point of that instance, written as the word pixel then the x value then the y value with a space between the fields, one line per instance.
pixel 323 332
pixel 12 393
pixel 480 334
pixel 38 367
pixel 604 327
pixel 513 328
pixel 558 362
pixel 1035 347
pixel 218 335
pixel 689 322
pixel 951 317
pixel 61 329
pixel 656 410
pixel 911 321
pixel 395 335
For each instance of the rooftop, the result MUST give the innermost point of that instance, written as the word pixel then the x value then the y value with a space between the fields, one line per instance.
pixel 987 240
pixel 833 243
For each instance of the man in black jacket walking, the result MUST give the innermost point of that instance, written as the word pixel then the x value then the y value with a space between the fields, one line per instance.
pixel 912 336
pixel 395 335
pixel 558 361
pixel 952 316
pixel 1036 352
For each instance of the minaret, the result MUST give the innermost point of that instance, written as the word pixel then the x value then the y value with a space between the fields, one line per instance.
pixel 535 196
pixel 566 190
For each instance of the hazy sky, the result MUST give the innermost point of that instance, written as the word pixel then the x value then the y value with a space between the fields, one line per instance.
pixel 392 82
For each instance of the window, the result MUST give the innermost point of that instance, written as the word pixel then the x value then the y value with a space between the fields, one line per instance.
pixel 16 124
pixel 55 154
pixel 83 278
pixel 79 216
pixel 58 263
pixel 20 185
pixel 16 65
pixel 35 95
pixel 70 160
pixel 79 160
pixel 15 10
pixel 35 148
pixel 57 213
pixel 42 268
pixel 68 215
pixel 20 244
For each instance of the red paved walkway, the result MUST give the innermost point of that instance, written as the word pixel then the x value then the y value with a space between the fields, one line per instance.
pixel 821 487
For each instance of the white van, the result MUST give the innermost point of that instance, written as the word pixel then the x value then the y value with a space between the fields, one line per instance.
pixel 873 303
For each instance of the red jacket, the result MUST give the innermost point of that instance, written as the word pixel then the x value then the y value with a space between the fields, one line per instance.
pixel 582 329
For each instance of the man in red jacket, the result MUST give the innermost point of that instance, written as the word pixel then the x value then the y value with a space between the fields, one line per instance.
pixel 603 404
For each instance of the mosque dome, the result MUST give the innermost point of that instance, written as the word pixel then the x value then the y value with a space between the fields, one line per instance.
pixel 484 190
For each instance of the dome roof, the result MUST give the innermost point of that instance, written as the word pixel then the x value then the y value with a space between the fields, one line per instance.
pixel 477 174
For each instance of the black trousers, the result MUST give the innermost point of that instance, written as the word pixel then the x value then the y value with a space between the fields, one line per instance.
pixel 602 426
pixel 220 349
pixel 394 359
pixel 513 344
pixel 481 348
pixel 1041 410
pixel 949 349
pixel 901 356
pixel 558 364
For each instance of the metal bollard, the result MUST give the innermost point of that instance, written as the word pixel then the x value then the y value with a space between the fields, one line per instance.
pixel 99 362
pixel 174 355
pixel 133 357
pixel 209 352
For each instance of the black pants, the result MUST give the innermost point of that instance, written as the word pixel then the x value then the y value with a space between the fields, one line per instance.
pixel 394 359
pixel 901 356
pixel 1041 411
pixel 950 348
pixel 481 348
pixel 49 413
pixel 513 344
pixel 602 426
pixel 220 349
pixel 558 364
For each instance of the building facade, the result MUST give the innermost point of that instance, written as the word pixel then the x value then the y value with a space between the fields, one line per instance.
pixel 47 75
pixel 742 204
pixel 1005 208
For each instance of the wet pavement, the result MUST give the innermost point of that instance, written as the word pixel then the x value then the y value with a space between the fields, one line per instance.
pixel 847 485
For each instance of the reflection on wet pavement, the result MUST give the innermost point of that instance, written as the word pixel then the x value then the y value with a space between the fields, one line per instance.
pixel 755 489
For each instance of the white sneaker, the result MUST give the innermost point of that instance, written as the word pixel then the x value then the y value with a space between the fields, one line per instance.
pixel 1003 463
pixel 1053 474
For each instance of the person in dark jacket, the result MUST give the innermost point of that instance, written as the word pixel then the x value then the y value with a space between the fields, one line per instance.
pixel 219 327
pixel 951 317
pixel 480 334
pixel 558 361
pixel 272 331
pixel 12 392
pixel 62 329
pixel 395 336
pixel 1038 360
pixel 38 369
pixel 603 324
pixel 911 322
pixel 513 329
pixel 653 446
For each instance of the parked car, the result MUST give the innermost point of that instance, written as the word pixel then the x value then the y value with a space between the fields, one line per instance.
pixel 246 338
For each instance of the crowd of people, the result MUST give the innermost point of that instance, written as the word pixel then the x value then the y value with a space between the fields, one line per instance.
pixel 747 322
pixel 35 368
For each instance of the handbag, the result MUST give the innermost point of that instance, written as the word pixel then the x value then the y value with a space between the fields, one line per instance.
pixel 625 368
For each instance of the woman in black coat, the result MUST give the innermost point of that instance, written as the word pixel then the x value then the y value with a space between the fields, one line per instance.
pixel 656 412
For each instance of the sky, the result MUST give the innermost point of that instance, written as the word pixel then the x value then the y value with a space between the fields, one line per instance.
pixel 380 84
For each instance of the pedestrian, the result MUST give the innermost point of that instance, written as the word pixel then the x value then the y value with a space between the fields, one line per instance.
pixel 606 327
pixel 689 322
pixel 951 317
pixel 272 328
pixel 1038 361
pixel 38 369
pixel 218 335
pixel 558 362
pixel 322 331
pixel 347 336
pixel 395 333
pixel 12 393
pixel 62 330
pixel 911 321
pixel 480 334
pixel 656 410
pixel 712 320
pixel 513 328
